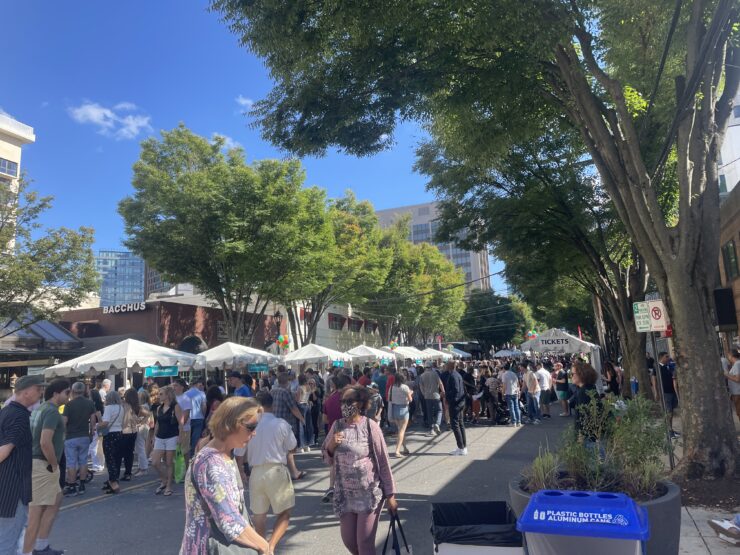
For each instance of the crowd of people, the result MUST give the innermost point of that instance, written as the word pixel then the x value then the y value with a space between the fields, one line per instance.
pixel 358 418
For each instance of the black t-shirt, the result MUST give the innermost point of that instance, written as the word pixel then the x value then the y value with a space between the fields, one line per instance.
pixel 78 412
pixel 666 376
pixel 562 375
pixel 15 471
pixel 97 400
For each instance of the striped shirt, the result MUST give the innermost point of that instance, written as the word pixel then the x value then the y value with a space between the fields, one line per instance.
pixel 15 471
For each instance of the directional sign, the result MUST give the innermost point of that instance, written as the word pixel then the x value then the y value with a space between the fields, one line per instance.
pixel 642 316
pixel 657 316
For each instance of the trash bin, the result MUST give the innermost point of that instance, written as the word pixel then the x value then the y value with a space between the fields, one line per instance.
pixel 479 528
pixel 557 522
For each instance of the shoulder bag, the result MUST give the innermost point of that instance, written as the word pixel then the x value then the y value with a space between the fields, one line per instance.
pixel 105 430
pixel 217 543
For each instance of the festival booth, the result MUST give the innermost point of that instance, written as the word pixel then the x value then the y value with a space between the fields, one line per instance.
pixel 408 353
pixel 232 356
pixel 438 355
pixel 322 357
pixel 507 353
pixel 457 353
pixel 125 357
pixel 365 354
pixel 555 341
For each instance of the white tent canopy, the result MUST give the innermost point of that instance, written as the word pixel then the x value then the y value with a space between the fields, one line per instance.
pixel 503 353
pixel 558 341
pixel 126 355
pixel 230 356
pixel 313 353
pixel 363 353
pixel 457 353
pixel 438 354
pixel 407 352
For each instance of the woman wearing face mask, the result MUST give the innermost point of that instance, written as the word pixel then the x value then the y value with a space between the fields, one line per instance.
pixel 356 449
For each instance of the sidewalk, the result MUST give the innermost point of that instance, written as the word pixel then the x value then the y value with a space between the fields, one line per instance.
pixel 697 538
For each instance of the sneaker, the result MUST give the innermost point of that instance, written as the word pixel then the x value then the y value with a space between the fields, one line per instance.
pixel 725 528
pixel 98 468
pixel 537 422
pixel 80 488
pixel 463 452
pixel 545 416
pixel 328 496
pixel 518 425
pixel 455 452
pixel 437 430
pixel 48 551
pixel 70 490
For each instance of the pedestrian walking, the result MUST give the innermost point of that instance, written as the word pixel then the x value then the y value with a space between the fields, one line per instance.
pixel 532 385
pixel 47 433
pixel 145 421
pixel 401 396
pixel 432 389
pixel 216 520
pixel 110 428
pixel 270 484
pixel 16 450
pixel 129 431
pixel 545 381
pixel 456 402
pixel 186 408
pixel 364 482
pixel 511 386
pixel 81 419
pixel 562 389
pixel 305 428
pixel 197 412
pixel 284 406
pixel 166 438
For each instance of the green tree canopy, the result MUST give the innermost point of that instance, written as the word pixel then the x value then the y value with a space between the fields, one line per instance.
pixel 494 320
pixel 242 233
pixel 42 271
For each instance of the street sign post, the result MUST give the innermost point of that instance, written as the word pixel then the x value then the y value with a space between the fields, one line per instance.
pixel 656 309
pixel 641 311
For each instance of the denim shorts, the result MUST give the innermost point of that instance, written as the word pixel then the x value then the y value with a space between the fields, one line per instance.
pixel 75 450
pixel 400 412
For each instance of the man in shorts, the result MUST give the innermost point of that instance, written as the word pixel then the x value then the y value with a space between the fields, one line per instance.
pixel 270 483
pixel 81 419
pixel 47 441
pixel 15 461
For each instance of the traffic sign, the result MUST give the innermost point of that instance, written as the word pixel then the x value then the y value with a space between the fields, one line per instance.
pixel 657 316
pixel 641 311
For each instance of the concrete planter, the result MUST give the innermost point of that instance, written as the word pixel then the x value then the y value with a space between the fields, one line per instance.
pixel 664 516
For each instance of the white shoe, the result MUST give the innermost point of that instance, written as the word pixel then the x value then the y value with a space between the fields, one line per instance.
pixel 455 452
pixel 537 422
pixel 437 430
pixel 307 449
pixel 463 451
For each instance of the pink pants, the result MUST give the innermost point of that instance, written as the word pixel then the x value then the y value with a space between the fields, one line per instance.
pixel 358 531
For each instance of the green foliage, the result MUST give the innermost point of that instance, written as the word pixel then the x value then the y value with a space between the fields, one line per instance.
pixel 493 320
pixel 241 233
pixel 625 454
pixel 41 271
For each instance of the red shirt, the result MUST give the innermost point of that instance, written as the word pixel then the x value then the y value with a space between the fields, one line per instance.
pixel 333 407
pixel 365 380
pixel 388 385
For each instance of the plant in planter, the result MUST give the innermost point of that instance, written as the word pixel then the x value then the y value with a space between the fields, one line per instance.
pixel 619 448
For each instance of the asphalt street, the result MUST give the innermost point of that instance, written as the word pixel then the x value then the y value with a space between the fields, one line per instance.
pixel 138 522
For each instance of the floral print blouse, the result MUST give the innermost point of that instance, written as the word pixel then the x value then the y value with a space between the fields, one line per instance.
pixel 359 486
pixel 219 488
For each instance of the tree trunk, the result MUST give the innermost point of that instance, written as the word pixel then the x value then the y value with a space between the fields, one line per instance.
pixel 708 428
pixel 634 362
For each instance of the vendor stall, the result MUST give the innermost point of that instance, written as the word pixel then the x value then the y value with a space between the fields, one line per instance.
pixel 365 354
pixel 316 354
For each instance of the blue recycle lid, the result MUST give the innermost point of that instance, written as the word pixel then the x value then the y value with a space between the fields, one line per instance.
pixel 591 514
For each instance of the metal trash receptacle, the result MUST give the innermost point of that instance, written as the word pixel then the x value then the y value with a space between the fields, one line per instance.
pixel 557 522
pixel 475 528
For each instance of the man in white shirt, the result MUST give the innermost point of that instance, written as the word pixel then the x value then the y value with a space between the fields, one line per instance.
pixel 545 380
pixel 197 411
pixel 269 482
pixel 533 393
pixel 186 407
pixel 510 381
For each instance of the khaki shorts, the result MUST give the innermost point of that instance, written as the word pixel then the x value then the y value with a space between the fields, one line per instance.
pixel 270 484
pixel 185 441
pixel 44 484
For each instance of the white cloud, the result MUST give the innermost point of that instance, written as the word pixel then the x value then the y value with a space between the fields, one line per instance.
pixel 244 102
pixel 109 121
pixel 229 143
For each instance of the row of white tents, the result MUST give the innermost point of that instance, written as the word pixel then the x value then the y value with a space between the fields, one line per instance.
pixel 132 356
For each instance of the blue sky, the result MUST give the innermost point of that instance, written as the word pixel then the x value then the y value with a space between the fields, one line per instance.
pixel 94 78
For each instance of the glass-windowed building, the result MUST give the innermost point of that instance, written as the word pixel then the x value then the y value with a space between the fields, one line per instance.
pixel 122 277
pixel 423 229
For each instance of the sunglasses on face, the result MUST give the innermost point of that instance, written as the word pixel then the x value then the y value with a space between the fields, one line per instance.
pixel 250 427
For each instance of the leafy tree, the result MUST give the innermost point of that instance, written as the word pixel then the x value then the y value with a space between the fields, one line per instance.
pixel 352 266
pixel 639 80
pixel 41 272
pixel 494 320
pixel 242 233
pixel 547 219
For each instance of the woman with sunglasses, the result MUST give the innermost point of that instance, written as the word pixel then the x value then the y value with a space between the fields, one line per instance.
pixel 215 513
pixel 363 480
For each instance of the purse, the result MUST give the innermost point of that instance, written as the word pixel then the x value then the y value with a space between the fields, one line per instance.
pixel 218 543
pixel 105 430
pixel 393 537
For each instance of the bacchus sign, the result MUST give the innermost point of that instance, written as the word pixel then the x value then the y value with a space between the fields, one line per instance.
pixel 120 308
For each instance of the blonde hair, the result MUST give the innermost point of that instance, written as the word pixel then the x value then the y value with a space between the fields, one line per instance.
pixel 169 392
pixel 231 413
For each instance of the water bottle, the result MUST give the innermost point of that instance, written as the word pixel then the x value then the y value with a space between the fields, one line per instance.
pixel 634 385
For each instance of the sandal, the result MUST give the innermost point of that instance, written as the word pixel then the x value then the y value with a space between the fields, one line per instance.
pixel 301 475
pixel 159 490
pixel 167 492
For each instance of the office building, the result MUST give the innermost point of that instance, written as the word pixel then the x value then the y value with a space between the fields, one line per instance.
pixel 729 159
pixel 423 229
pixel 122 277
pixel 13 135
pixel 153 282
